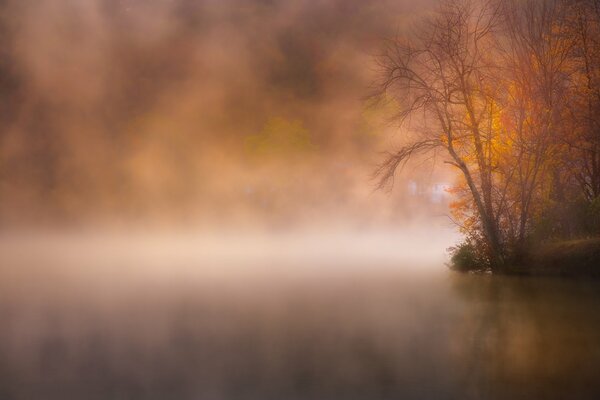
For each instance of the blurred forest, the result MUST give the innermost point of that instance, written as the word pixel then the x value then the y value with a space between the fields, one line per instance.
pixel 186 110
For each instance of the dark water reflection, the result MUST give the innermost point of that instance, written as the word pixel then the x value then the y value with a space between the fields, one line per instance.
pixel 375 334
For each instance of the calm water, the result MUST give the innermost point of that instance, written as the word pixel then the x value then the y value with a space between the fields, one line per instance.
pixel 102 325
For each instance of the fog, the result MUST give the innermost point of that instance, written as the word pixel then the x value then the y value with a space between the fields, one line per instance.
pixel 188 211
pixel 236 316
pixel 195 112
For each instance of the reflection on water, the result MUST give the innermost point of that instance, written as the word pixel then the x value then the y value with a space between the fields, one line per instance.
pixel 356 333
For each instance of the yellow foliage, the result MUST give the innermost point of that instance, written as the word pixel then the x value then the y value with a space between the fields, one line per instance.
pixel 280 137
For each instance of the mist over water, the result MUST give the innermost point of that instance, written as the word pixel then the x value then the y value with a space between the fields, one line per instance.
pixel 310 315
pixel 187 211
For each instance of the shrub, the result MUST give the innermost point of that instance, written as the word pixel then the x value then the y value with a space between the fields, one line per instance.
pixel 468 256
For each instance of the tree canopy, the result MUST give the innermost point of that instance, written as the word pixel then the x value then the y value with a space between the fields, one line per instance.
pixel 509 92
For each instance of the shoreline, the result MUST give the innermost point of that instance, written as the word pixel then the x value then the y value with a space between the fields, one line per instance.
pixel 576 258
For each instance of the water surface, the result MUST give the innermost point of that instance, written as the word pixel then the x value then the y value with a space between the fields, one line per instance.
pixel 96 322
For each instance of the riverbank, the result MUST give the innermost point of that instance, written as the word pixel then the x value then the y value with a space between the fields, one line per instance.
pixel 569 258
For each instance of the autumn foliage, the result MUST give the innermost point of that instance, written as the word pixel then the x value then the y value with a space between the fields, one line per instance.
pixel 509 91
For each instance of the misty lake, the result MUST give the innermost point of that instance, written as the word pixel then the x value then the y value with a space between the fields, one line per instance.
pixel 167 323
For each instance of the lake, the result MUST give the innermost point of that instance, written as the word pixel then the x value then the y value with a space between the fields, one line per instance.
pixel 271 318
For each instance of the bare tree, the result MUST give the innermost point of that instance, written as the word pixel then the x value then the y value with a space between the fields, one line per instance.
pixel 534 50
pixel 584 142
pixel 446 73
